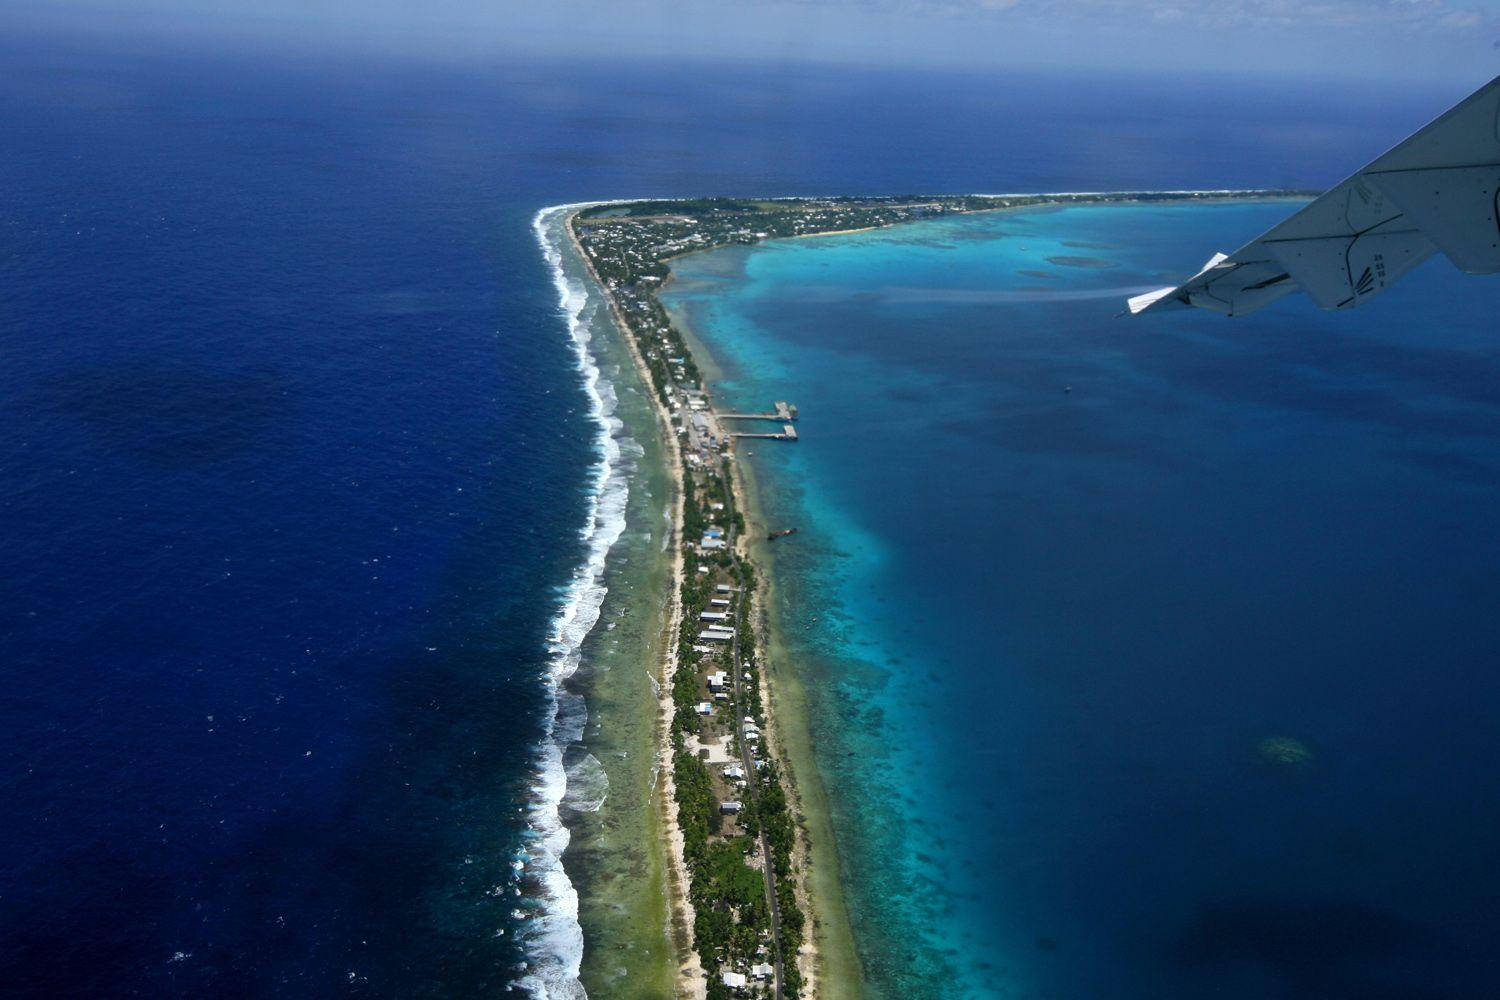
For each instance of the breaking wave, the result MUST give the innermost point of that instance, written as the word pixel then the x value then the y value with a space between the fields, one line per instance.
pixel 552 934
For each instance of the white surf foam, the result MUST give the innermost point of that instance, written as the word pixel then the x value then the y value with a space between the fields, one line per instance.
pixel 552 935
pixel 588 785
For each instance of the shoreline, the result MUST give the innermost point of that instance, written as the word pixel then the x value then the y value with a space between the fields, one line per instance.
pixel 827 959
pixel 689 974
pixel 555 963
pixel 831 968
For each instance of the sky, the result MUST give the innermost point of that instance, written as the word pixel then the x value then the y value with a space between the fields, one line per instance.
pixel 1452 41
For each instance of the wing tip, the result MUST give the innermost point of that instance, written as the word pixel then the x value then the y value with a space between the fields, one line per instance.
pixel 1138 304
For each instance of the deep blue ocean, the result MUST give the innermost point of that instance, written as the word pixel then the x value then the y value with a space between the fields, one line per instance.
pixel 294 454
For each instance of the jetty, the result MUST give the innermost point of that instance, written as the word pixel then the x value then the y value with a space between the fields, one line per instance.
pixel 788 433
pixel 783 413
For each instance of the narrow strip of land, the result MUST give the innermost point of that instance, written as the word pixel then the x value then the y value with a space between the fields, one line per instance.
pixel 738 903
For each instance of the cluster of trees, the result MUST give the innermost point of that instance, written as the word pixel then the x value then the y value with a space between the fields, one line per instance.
pixel 694 207
pixel 643 312
pixel 638 303
pixel 652 316
pixel 770 814
pixel 697 809
pixel 728 895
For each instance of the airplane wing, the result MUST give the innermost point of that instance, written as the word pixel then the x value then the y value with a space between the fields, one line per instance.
pixel 1438 191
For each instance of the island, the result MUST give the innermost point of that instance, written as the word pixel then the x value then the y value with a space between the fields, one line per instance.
pixel 747 920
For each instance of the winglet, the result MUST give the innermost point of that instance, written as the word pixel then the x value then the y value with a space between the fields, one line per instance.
pixel 1433 192
pixel 1140 303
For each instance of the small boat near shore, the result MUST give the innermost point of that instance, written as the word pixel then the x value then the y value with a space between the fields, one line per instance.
pixel 780 534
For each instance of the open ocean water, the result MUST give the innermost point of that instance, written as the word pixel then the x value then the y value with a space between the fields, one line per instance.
pixel 1145 658
pixel 302 469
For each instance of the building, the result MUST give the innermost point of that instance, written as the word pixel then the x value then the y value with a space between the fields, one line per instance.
pixel 717 680
pixel 704 708
pixel 734 980
pixel 729 808
pixel 762 971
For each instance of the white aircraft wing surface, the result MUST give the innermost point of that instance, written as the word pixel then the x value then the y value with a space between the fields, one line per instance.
pixel 1438 191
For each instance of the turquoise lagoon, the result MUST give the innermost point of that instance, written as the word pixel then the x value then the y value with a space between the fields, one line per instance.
pixel 1062 575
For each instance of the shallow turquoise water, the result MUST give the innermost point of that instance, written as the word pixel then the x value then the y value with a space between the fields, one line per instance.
pixel 1044 632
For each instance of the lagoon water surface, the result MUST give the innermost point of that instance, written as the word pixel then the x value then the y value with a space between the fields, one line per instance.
pixel 1144 658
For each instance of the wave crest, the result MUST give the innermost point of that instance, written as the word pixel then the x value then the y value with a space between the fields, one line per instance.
pixel 552 934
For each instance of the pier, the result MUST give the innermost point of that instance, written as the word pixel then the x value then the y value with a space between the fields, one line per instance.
pixel 788 433
pixel 783 413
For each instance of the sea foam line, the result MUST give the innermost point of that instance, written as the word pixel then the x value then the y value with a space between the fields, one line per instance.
pixel 554 938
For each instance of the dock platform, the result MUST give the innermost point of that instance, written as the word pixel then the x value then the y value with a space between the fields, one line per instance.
pixel 784 412
pixel 788 433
